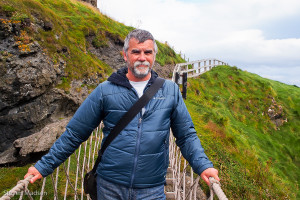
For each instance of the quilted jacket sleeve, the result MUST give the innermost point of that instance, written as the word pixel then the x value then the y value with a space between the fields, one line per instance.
pixel 84 121
pixel 186 137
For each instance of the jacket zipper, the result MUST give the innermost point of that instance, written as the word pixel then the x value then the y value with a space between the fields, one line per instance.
pixel 137 149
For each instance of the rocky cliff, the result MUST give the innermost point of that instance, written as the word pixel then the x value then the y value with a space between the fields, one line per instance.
pixel 29 100
pixel 33 110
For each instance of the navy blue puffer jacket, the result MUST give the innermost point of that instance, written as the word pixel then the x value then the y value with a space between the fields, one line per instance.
pixel 139 156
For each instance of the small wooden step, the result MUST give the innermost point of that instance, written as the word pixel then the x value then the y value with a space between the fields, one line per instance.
pixel 170 195
pixel 170 181
pixel 169 170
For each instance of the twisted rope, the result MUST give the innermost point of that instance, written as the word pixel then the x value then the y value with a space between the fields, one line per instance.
pixel 215 187
pixel 21 186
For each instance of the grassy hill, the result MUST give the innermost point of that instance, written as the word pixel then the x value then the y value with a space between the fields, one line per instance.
pixel 257 155
pixel 232 111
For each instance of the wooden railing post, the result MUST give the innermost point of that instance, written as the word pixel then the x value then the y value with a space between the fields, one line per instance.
pixel 184 84
pixel 177 76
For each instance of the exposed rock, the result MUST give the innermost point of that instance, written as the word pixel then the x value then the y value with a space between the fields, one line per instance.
pixel 40 23
pixel 276 114
pixel 8 156
pixel 29 100
pixel 42 140
pixel 39 142
pixel 8 27
pixel 26 22
pixel 110 53
pixel 26 78
pixel 165 71
pixel 92 2
pixel 63 50
pixel 48 26
pixel 25 119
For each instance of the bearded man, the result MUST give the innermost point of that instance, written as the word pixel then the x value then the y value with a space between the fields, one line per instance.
pixel 134 165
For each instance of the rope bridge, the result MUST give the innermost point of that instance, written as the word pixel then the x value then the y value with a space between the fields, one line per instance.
pixel 66 182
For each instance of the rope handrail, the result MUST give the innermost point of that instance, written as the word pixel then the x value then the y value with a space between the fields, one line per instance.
pixel 184 186
pixel 215 187
pixel 20 187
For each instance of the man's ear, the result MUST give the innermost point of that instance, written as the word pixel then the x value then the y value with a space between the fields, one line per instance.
pixel 124 56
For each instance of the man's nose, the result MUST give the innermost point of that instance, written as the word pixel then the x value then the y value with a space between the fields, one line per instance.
pixel 142 57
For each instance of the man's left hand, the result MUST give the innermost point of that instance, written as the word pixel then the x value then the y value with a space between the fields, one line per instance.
pixel 210 172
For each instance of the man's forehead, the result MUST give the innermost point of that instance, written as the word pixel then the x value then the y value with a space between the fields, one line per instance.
pixel 136 41
pixel 140 41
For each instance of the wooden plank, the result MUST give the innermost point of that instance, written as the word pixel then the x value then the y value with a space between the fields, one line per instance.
pixel 170 195
pixel 170 181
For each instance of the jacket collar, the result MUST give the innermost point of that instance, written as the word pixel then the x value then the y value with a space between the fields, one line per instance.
pixel 119 78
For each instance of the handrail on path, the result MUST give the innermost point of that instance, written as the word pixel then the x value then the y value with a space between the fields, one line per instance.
pixel 196 68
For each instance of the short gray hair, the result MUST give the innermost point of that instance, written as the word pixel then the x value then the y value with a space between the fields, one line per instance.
pixel 141 36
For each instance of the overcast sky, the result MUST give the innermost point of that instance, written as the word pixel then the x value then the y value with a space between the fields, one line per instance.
pixel 260 36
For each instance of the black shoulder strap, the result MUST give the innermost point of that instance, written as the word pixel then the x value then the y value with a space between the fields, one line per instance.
pixel 128 116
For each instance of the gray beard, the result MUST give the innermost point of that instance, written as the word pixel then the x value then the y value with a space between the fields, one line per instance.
pixel 137 73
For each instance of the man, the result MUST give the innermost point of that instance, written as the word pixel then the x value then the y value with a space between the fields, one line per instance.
pixel 134 165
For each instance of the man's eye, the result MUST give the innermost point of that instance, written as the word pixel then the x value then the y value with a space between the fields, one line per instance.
pixel 135 51
pixel 148 52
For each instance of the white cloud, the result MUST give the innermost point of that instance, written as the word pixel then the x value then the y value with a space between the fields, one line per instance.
pixel 230 30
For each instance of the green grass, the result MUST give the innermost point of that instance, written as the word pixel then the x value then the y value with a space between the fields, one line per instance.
pixel 167 55
pixel 256 160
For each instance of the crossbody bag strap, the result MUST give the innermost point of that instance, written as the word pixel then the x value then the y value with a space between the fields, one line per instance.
pixel 128 116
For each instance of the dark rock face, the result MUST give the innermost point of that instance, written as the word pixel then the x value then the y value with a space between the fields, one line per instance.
pixel 42 140
pixel 111 53
pixel 92 2
pixel 27 118
pixel 35 144
pixel 48 26
pixel 28 98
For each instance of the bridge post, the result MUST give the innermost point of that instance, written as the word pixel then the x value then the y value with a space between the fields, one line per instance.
pixel 184 84
pixel 177 76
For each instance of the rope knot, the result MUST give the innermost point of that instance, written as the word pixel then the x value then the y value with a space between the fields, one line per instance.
pixel 23 184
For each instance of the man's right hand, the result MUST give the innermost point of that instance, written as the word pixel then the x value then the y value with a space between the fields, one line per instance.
pixel 36 174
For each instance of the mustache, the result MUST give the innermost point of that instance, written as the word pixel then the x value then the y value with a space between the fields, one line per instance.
pixel 138 63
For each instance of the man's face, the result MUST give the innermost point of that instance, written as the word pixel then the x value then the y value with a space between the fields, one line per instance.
pixel 140 57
